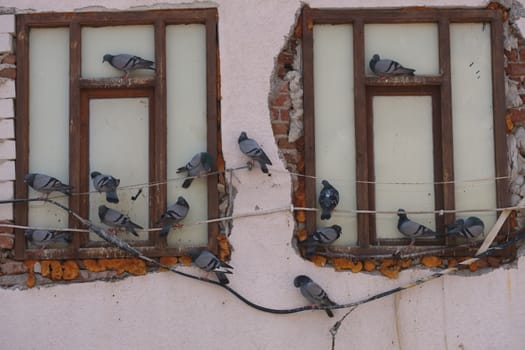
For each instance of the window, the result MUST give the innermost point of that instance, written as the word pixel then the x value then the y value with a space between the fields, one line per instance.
pixel 431 142
pixel 76 114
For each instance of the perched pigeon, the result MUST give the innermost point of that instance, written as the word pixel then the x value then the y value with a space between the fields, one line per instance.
pixel 175 213
pixel 114 218
pixel 471 227
pixel 322 236
pixel 46 184
pixel 386 67
pixel 199 165
pixel 106 183
pixel 209 262
pixel 43 238
pixel 128 63
pixel 313 292
pixel 252 149
pixel 328 200
pixel 412 229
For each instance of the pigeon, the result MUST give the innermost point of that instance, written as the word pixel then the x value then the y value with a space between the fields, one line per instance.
pixel 46 184
pixel 471 227
pixel 106 183
pixel 322 236
pixel 412 229
pixel 128 63
pixel 252 149
pixel 199 165
pixel 114 218
pixel 175 213
pixel 328 200
pixel 209 262
pixel 313 292
pixel 388 67
pixel 43 238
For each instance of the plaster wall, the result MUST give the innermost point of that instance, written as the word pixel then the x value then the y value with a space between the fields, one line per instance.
pixel 165 311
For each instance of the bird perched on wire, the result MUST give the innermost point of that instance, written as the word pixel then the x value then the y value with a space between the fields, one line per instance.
pixel 251 148
pixel 128 63
pixel 200 164
pixel 43 238
pixel 471 227
pixel 313 293
pixel 106 183
pixel 412 229
pixel 115 219
pixel 46 184
pixel 328 200
pixel 173 215
pixel 322 236
pixel 206 261
pixel 388 67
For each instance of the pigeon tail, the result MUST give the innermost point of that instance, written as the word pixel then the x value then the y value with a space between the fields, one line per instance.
pixel 187 182
pixel 112 197
pixel 329 312
pixel 326 215
pixel 221 276
pixel 165 230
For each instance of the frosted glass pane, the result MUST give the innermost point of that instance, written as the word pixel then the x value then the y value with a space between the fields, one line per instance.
pixel 186 98
pixel 413 45
pixel 49 118
pixel 96 42
pixel 119 145
pixel 403 153
pixel 334 122
pixel 473 119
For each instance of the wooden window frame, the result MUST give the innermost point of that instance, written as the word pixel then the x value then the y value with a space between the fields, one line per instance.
pixel 81 90
pixel 366 86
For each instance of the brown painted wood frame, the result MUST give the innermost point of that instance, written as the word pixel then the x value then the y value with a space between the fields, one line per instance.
pixel 80 88
pixel 365 85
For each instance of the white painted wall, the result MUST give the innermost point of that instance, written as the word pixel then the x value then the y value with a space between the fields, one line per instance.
pixel 164 311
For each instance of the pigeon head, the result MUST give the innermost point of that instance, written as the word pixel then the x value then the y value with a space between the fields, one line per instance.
pixel 29 235
pixel 102 210
pixel 182 201
pixel 107 58
pixel 243 136
pixel 94 174
pixel 301 280
pixel 29 178
pixel 375 58
pixel 401 213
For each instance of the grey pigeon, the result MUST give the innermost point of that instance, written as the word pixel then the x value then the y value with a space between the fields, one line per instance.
pixel 174 214
pixel 106 183
pixel 200 164
pixel 209 262
pixel 328 200
pixel 114 218
pixel 46 184
pixel 471 227
pixel 128 63
pixel 313 293
pixel 252 149
pixel 322 236
pixel 43 238
pixel 412 229
pixel 387 67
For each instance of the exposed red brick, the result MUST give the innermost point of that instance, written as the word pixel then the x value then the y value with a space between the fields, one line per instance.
pixel 285 115
pixel 285 58
pixel 8 73
pixel 292 156
pixel 521 55
pixel 281 72
pixel 512 55
pixel 9 59
pixel 276 114
pixel 280 128
pixel 517 115
pixel 516 69
pixel 283 143
pixel 281 101
pixel 6 242
pixel 285 89
pixel 13 268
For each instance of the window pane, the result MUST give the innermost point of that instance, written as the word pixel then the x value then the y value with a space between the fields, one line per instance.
pixel 403 153
pixel 334 122
pixel 96 42
pixel 49 118
pixel 119 145
pixel 472 112
pixel 186 103
pixel 413 45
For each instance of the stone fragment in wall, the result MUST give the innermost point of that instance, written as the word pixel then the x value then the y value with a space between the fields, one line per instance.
pixel 515 199
pixel 516 10
pixel 512 154
pixel 296 113
pixel 509 40
pixel 515 185
pixel 512 96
